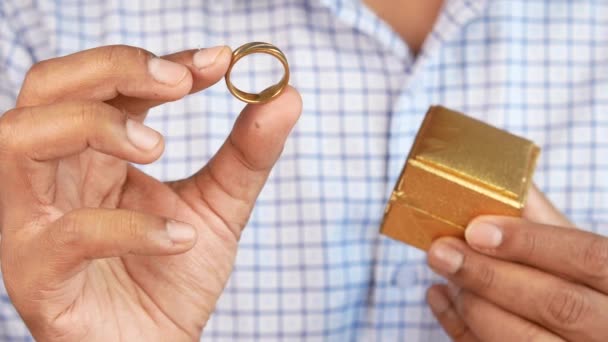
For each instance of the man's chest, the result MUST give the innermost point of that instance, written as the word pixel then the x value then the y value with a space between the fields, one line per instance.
pixel 311 262
pixel 534 71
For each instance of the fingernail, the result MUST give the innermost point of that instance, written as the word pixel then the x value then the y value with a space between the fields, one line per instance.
pixel 483 235
pixel 180 232
pixel 445 258
pixel 165 71
pixel 438 302
pixel 206 57
pixel 141 136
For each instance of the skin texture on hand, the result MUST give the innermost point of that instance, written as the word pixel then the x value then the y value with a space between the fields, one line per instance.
pixel 94 249
pixel 532 279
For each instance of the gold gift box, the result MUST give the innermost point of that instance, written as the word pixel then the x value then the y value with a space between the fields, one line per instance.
pixel 458 168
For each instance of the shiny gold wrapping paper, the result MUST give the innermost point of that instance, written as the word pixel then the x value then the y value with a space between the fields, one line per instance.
pixel 457 169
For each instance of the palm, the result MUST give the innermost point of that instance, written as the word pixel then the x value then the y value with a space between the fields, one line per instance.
pixel 155 295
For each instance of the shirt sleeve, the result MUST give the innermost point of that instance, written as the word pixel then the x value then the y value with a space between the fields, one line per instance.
pixel 15 59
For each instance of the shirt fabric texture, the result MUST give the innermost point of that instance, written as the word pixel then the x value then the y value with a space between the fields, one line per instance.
pixel 311 264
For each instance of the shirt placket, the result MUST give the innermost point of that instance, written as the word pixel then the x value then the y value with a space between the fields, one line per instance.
pixel 400 272
pixel 400 275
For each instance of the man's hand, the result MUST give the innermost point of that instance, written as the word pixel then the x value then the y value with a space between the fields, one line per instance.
pixel 530 279
pixel 92 248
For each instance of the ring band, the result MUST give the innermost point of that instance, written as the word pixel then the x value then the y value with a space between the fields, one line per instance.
pixel 268 93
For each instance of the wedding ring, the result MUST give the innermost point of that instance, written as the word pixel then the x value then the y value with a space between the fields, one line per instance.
pixel 268 93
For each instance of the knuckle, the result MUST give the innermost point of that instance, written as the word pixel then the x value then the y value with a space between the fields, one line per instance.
pixel 7 130
pixel 566 307
pixel 94 118
pixel 12 137
pixel 68 232
pixel 130 224
pixel 94 112
pixel 110 56
pixel 35 79
pixel 84 116
pixel 114 57
pixel 35 75
pixel 83 113
pixel 529 244
pixel 485 275
pixel 595 259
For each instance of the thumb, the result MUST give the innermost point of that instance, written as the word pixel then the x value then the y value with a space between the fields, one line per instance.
pixel 225 190
pixel 539 209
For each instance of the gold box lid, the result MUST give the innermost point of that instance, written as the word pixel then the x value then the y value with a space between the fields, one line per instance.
pixel 458 168
pixel 496 162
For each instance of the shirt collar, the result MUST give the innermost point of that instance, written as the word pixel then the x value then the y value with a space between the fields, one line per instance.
pixel 453 17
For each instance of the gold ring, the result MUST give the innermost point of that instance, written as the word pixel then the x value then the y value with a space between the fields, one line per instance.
pixel 268 93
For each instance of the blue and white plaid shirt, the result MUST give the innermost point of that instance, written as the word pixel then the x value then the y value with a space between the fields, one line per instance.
pixel 311 264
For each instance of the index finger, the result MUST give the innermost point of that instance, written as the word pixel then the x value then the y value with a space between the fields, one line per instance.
pixel 131 77
pixel 575 254
pixel 207 67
